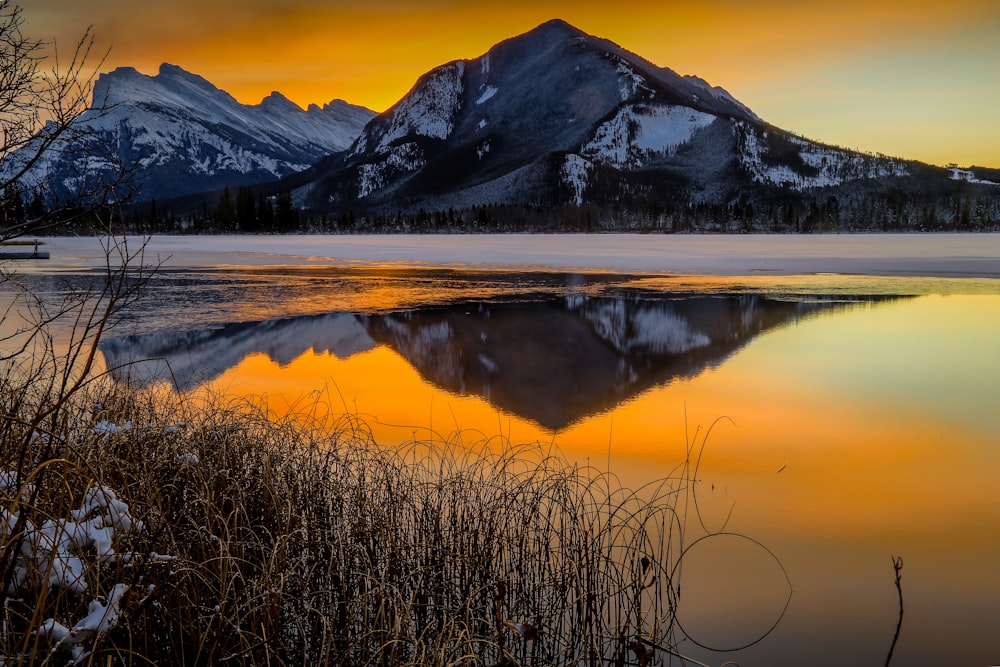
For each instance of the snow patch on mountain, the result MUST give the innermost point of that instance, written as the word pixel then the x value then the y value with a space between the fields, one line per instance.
pixel 400 159
pixel 663 129
pixel 487 94
pixel 639 133
pixel 575 173
pixel 801 164
pixel 632 83
pixel 432 112
pixel 967 176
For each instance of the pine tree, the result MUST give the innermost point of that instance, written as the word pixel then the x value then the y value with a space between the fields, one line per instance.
pixel 225 212
pixel 286 216
pixel 246 212
pixel 265 214
pixel 13 207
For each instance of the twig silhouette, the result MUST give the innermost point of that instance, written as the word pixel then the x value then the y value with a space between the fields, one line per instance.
pixel 897 565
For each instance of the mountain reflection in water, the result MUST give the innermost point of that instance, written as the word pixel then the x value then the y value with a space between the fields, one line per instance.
pixel 552 360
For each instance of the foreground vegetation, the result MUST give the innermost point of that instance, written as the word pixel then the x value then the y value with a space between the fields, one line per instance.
pixel 140 528
pixel 238 538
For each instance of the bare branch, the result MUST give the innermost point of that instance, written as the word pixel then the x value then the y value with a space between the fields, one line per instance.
pixel 897 566
pixel 39 110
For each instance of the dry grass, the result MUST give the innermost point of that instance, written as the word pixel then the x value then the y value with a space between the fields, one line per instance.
pixel 263 541
pixel 140 528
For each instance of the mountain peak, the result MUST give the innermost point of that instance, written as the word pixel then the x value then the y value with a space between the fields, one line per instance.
pixel 111 81
pixel 122 72
pixel 167 69
pixel 168 72
pixel 170 75
pixel 543 37
pixel 557 26
pixel 172 84
pixel 278 103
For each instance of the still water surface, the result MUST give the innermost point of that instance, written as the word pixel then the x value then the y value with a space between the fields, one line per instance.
pixel 859 417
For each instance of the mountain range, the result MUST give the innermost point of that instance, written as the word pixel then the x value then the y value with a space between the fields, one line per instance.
pixel 182 135
pixel 554 119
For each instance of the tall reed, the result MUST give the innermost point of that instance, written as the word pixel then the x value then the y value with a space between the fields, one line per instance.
pixel 138 527
pixel 265 541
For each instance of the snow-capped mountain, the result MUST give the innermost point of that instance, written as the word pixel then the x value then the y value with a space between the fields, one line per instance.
pixel 556 116
pixel 184 135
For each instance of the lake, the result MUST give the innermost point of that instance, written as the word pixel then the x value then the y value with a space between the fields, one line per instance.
pixel 849 384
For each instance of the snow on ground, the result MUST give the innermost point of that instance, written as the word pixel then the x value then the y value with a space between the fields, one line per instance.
pixel 951 255
pixel 61 551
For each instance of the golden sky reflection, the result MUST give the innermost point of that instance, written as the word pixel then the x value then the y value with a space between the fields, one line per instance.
pixel 915 79
pixel 847 437
pixel 846 450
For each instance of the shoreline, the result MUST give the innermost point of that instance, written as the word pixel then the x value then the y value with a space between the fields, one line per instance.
pixel 947 255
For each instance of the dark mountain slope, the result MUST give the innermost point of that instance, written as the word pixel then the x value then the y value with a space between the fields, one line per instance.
pixel 557 117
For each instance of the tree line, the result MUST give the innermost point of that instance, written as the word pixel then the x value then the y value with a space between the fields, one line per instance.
pixel 247 213
pixel 242 211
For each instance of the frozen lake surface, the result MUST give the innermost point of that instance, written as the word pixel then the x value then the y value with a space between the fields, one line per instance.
pixel 940 255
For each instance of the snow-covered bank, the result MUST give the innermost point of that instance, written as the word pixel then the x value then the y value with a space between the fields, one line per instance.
pixel 946 255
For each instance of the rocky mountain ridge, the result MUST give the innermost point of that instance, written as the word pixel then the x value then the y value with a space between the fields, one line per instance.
pixel 179 134
pixel 556 117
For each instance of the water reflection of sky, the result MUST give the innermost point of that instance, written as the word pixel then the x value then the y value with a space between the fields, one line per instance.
pixel 857 432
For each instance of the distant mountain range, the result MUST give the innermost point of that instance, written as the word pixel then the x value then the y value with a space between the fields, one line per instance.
pixel 182 135
pixel 554 119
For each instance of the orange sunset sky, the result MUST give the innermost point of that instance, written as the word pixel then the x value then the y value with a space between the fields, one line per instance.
pixel 912 78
